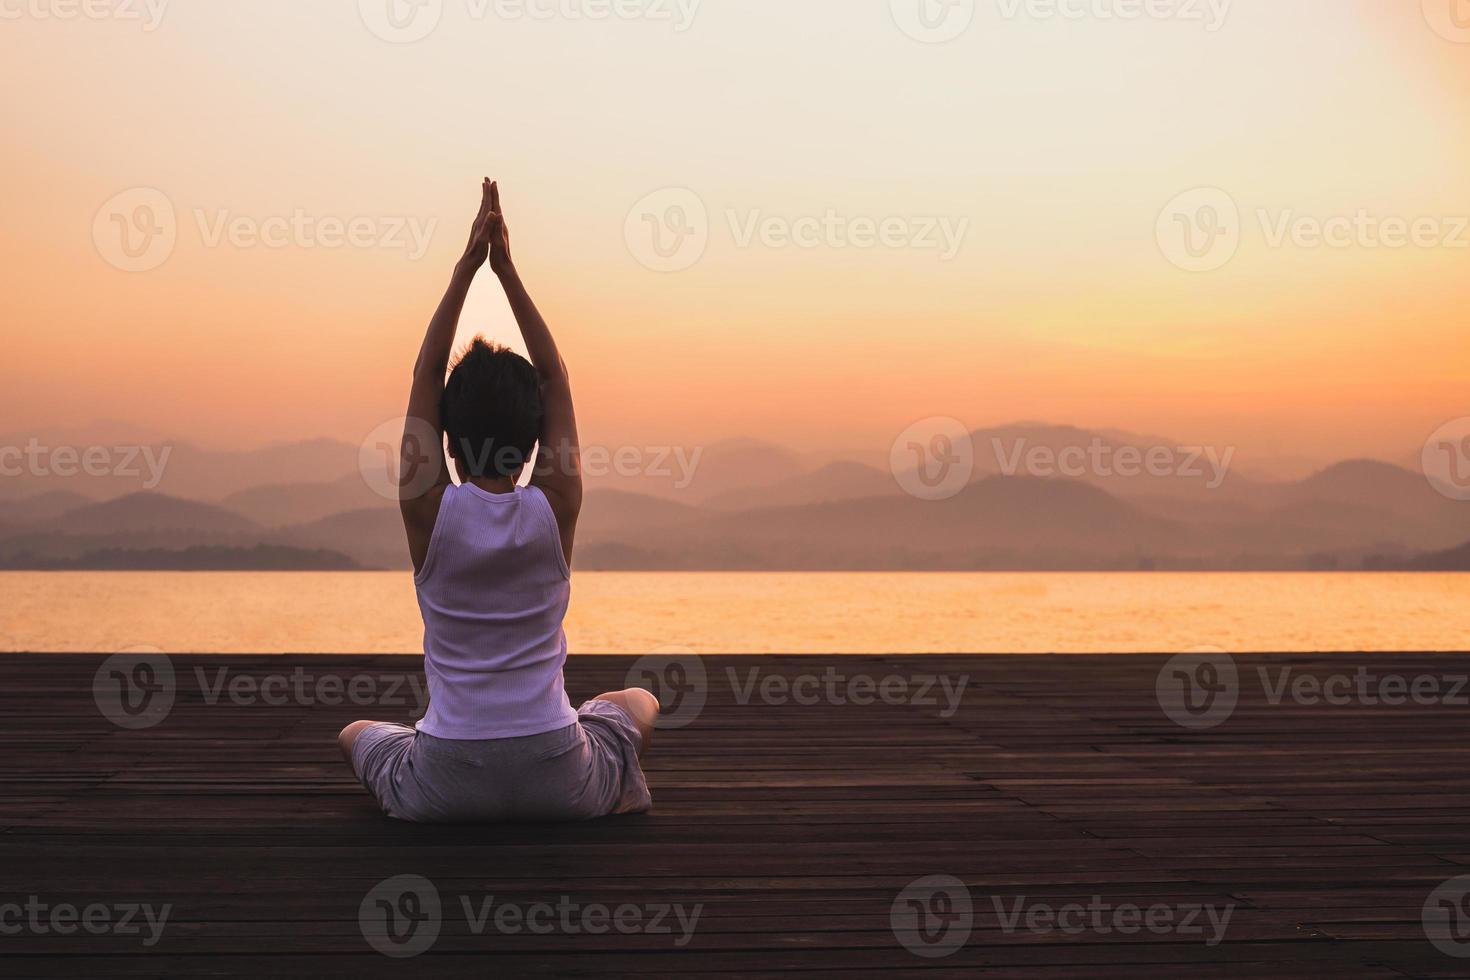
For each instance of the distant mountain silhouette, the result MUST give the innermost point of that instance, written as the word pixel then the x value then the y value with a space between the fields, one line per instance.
pixel 614 511
pixel 1371 499
pixel 1368 483
pixel 151 512
pixel 730 466
pixel 1117 462
pixel 753 505
pixel 40 509
pixel 1001 521
pixel 196 473
pixel 279 505
pixel 196 558
pixel 835 481
pixel 1453 560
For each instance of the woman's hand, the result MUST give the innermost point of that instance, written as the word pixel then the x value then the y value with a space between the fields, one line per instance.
pixel 482 232
pixel 500 261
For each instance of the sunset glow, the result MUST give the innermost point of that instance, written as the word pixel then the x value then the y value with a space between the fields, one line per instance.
pixel 1054 142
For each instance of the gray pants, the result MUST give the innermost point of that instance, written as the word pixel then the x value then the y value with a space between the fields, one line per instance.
pixel 580 772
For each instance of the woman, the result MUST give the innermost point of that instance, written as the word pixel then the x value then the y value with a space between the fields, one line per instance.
pixel 491 559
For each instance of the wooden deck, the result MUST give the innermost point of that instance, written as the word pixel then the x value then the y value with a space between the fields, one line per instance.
pixel 1324 828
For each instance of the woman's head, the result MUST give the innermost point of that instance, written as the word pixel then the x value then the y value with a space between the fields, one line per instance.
pixel 491 411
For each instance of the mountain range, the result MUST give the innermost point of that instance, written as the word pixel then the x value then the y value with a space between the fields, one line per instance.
pixel 750 505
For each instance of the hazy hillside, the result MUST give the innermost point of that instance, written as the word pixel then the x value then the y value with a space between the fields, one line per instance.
pixel 1120 463
pixel 1453 560
pixel 279 505
pixel 1364 495
pixel 835 481
pixel 186 471
pixel 41 508
pixel 196 558
pixel 150 512
pixel 752 505
pixel 1000 521
pixel 374 536
pixel 693 475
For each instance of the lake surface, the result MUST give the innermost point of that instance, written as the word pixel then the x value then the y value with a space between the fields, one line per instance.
pixel 636 612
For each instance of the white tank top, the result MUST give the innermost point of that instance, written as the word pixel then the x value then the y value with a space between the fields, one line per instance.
pixel 493 592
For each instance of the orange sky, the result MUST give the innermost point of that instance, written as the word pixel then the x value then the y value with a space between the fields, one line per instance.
pixel 1055 142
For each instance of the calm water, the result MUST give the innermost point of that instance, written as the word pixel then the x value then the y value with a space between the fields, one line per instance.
pixel 617 612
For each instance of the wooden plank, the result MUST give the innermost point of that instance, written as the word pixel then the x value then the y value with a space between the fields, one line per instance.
pixel 1054 783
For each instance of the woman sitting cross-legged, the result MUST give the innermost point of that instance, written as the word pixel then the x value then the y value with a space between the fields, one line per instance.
pixel 500 740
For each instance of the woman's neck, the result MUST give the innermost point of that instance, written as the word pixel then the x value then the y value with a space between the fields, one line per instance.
pixel 494 484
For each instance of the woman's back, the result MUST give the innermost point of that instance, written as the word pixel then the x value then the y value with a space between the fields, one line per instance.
pixel 493 592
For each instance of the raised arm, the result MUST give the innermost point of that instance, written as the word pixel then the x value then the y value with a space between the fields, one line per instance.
pixel 422 472
pixel 558 470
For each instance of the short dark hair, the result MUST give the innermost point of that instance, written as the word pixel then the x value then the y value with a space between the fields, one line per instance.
pixel 491 409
